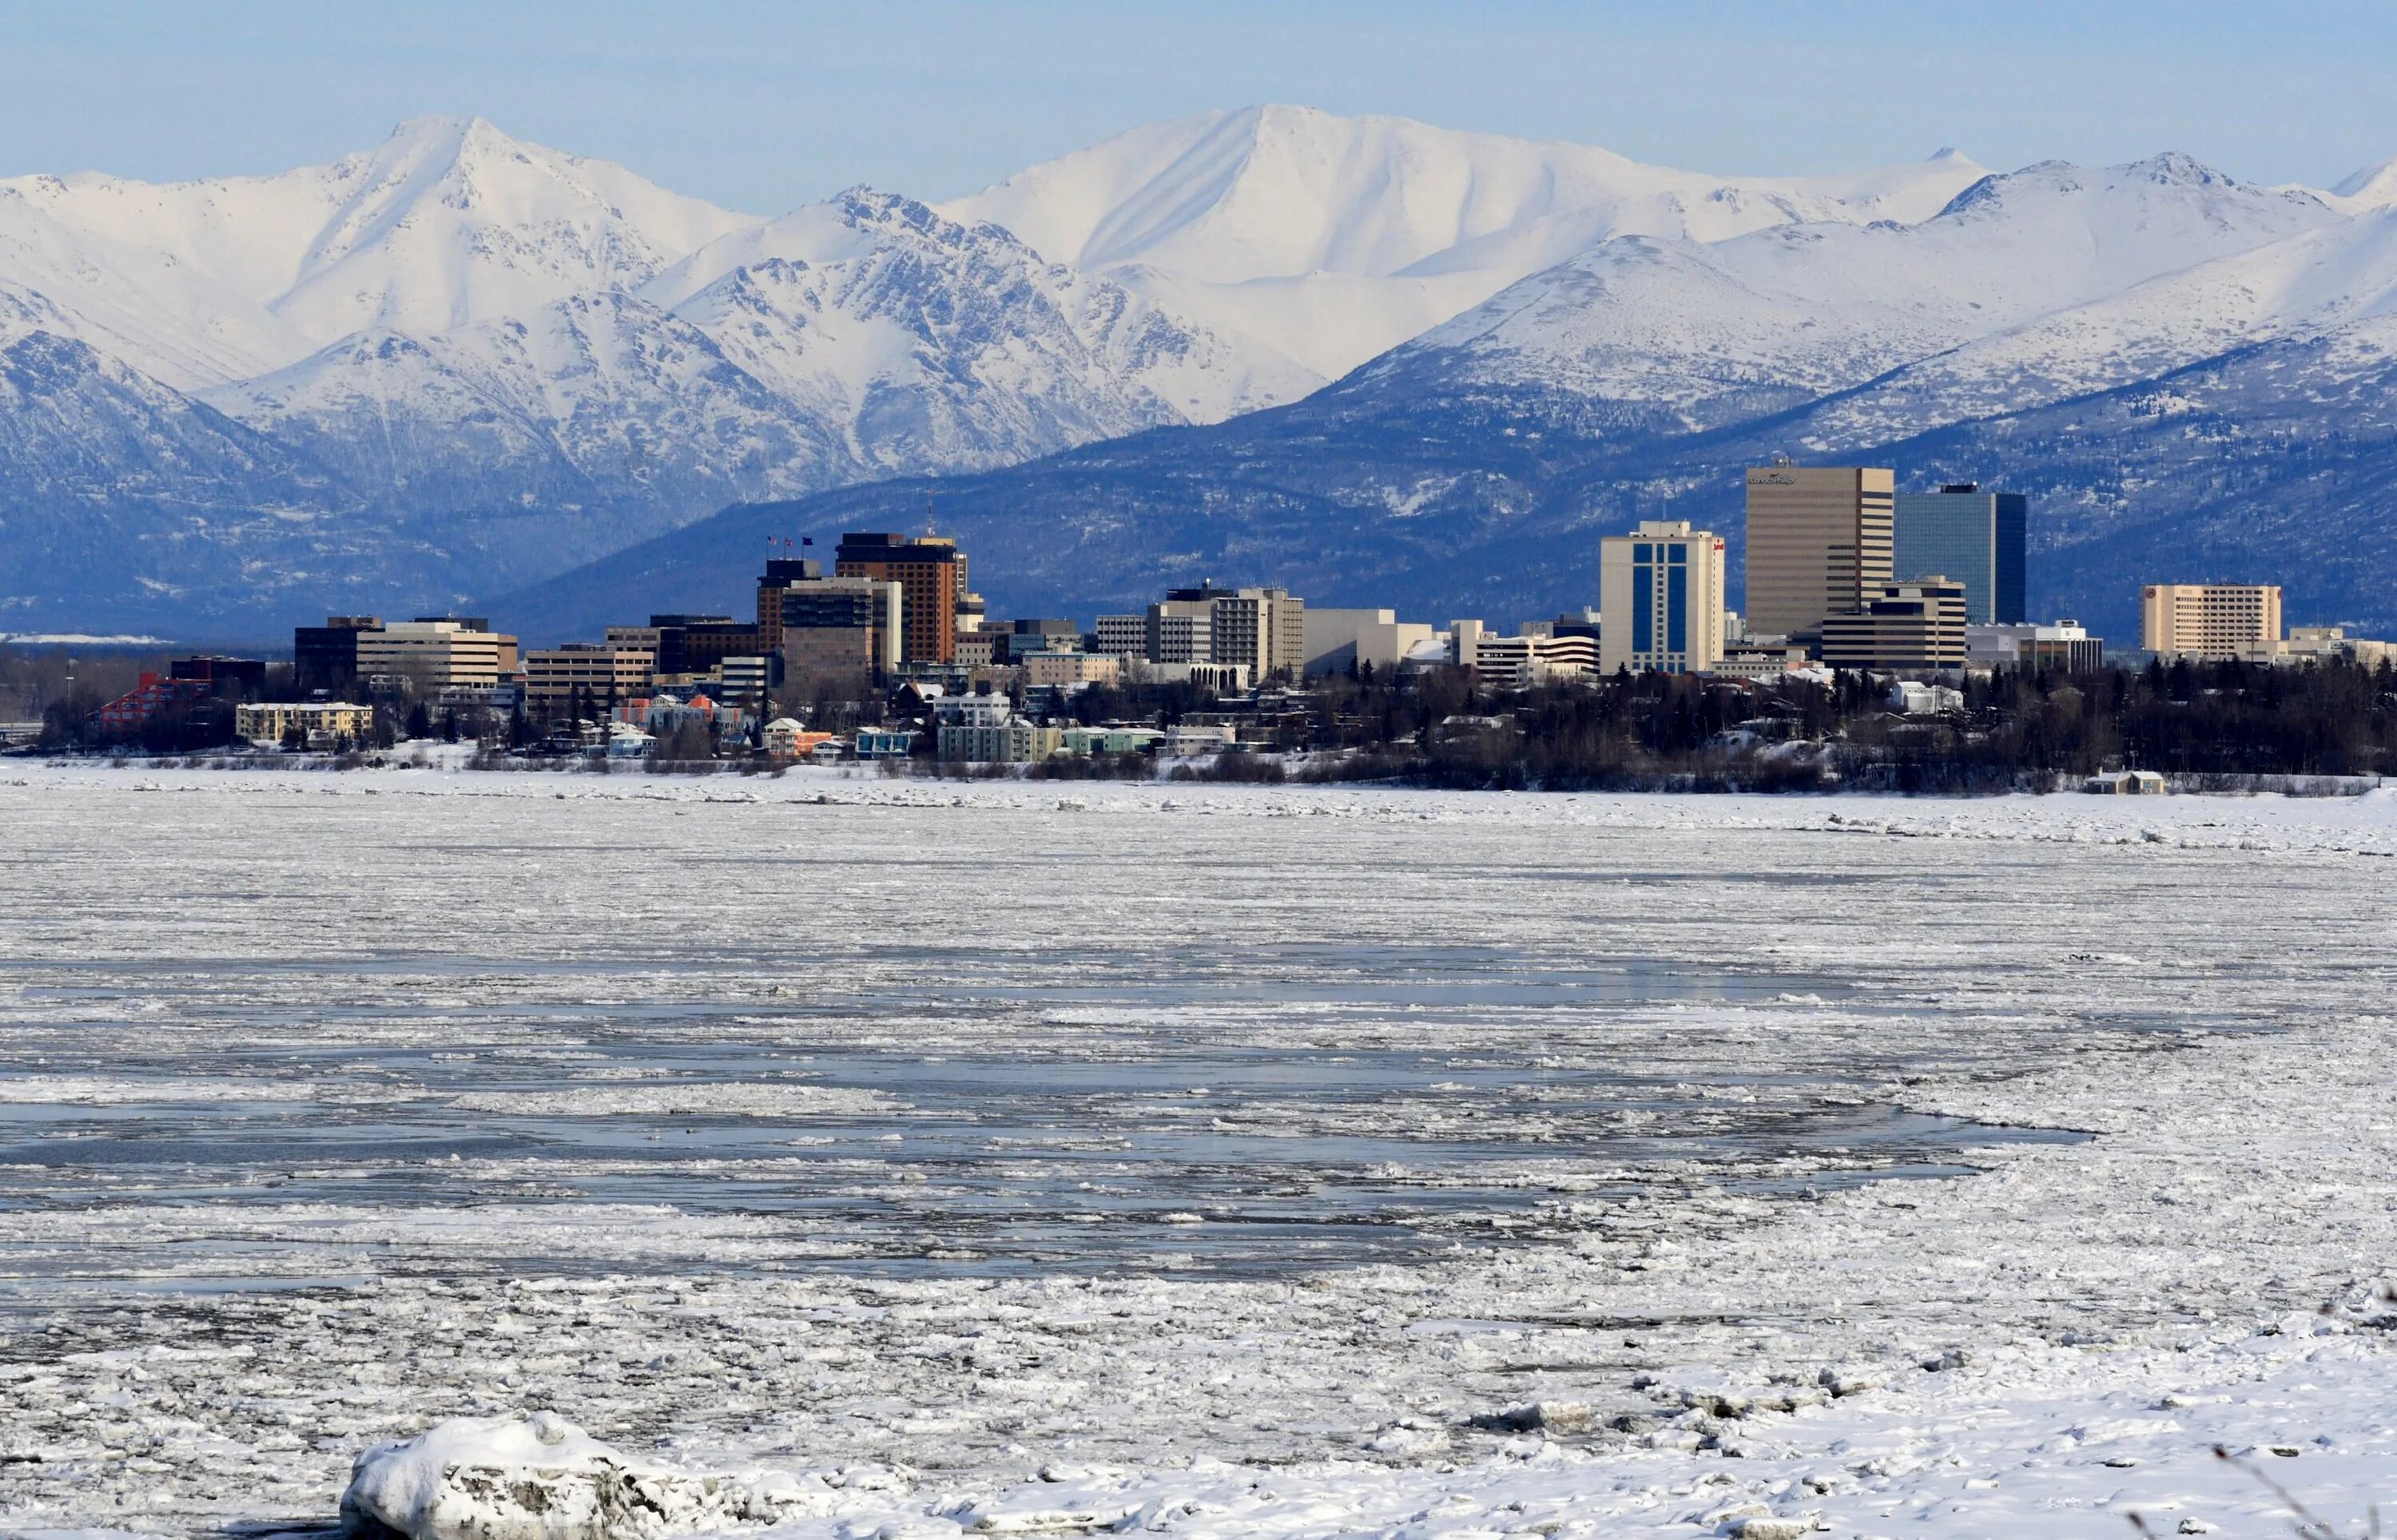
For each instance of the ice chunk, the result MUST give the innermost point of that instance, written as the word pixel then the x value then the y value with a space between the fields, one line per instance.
pixel 539 1479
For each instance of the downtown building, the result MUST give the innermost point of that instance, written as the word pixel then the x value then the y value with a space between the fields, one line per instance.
pixel 1966 535
pixel 930 572
pixel 1818 545
pixel 1663 584
pixel 1912 626
pixel 2214 621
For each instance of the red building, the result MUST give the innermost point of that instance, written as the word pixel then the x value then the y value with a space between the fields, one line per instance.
pixel 156 695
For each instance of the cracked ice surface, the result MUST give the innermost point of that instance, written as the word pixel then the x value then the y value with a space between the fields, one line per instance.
pixel 1223 1153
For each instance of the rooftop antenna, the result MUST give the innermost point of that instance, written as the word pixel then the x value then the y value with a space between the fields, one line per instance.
pixel 929 526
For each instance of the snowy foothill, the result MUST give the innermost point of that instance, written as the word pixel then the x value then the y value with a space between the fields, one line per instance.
pixel 851 1157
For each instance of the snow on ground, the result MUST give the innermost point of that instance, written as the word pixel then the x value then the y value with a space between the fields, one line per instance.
pixel 497 989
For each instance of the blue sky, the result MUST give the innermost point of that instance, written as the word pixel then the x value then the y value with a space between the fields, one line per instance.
pixel 764 106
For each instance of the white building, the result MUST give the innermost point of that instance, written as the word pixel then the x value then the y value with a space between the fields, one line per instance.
pixel 1531 656
pixel 1661 588
pixel 983 729
pixel 1338 640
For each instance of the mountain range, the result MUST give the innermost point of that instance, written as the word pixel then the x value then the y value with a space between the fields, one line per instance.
pixel 1383 362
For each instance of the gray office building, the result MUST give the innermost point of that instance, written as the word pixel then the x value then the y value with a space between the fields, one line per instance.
pixel 1970 537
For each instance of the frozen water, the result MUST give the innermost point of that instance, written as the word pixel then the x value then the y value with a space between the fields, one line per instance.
pixel 910 1140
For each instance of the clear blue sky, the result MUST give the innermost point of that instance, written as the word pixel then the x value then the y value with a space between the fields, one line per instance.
pixel 764 106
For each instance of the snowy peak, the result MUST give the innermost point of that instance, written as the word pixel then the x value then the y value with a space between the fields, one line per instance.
pixel 1332 239
pixel 2374 187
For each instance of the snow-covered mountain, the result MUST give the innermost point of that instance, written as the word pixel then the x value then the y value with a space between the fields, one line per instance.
pixel 459 362
pixel 1781 315
pixel 1332 239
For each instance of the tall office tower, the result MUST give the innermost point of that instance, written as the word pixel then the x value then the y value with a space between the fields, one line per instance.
pixel 2207 619
pixel 930 571
pixel 780 573
pixel 1971 536
pixel 1817 543
pixel 1660 592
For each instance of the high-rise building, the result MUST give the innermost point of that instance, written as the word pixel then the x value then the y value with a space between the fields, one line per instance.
pixel 841 626
pixel 1916 625
pixel 1660 589
pixel 930 571
pixel 2211 620
pixel 1970 537
pixel 1263 629
pixel 781 572
pixel 1818 543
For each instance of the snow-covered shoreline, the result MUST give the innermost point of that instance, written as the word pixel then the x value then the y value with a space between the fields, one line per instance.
pixel 2030 1351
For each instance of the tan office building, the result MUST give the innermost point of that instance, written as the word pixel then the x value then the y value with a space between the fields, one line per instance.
pixel 433 655
pixel 1914 626
pixel 604 674
pixel 2211 620
pixel 1818 543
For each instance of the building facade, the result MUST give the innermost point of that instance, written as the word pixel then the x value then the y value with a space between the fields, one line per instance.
pixel 1339 640
pixel 1662 589
pixel 318 724
pixel 1913 626
pixel 2208 620
pixel 1818 543
pixel 930 571
pixel 326 657
pixel 594 671
pixel 842 626
pixel 430 655
pixel 1970 537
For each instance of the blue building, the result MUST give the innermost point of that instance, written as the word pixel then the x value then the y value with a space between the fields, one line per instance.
pixel 1971 537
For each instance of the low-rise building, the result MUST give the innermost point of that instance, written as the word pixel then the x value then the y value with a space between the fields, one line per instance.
pixel 882 743
pixel 2064 647
pixel 1763 659
pixel 594 672
pixel 153 695
pixel 1914 626
pixel 2126 783
pixel 983 729
pixel 1341 640
pixel 1531 657
pixel 429 655
pixel 1915 698
pixel 786 740
pixel 1111 739
pixel 1053 670
pixel 317 724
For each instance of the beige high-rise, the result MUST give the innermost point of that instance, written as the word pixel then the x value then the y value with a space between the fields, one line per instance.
pixel 2208 619
pixel 1818 541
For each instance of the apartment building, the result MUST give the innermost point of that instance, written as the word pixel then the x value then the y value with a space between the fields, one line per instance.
pixel 1665 584
pixel 1819 543
pixel 318 724
pixel 2208 620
